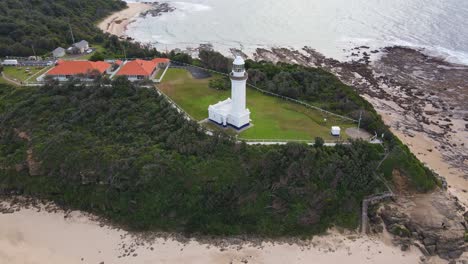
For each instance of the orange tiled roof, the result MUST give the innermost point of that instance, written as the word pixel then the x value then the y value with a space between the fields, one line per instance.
pixel 78 67
pixel 141 67
pixel 160 60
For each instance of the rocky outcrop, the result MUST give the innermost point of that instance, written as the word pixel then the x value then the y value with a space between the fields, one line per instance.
pixel 433 221
pixel 157 9
pixel 33 166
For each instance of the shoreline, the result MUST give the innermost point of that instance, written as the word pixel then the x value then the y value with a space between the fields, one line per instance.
pixel 117 23
pixel 35 235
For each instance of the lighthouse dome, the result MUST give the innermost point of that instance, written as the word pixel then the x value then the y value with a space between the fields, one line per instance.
pixel 239 61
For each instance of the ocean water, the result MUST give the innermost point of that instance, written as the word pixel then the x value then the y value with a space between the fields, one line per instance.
pixel 440 27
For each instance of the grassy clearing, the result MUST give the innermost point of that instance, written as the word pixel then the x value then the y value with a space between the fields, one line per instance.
pixel 20 74
pixel 272 118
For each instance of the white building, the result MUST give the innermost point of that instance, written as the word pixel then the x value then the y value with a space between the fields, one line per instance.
pixel 10 63
pixel 58 52
pixel 335 131
pixel 82 46
pixel 233 111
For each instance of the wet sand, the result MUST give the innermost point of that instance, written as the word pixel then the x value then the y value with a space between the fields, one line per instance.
pixel 116 24
pixel 28 236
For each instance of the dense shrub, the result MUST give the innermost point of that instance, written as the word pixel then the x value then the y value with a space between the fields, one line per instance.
pixel 44 25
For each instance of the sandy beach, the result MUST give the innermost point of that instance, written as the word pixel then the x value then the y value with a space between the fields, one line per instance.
pixel 116 24
pixel 32 236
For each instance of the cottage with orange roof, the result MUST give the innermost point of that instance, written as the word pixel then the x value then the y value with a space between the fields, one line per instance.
pixel 141 69
pixel 84 70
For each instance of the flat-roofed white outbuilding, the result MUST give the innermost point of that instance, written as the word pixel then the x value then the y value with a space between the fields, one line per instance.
pixel 335 131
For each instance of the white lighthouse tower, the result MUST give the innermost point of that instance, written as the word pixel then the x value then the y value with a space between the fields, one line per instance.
pixel 233 111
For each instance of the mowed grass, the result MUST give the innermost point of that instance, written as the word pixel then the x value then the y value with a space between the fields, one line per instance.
pixel 20 74
pixel 193 95
pixel 272 118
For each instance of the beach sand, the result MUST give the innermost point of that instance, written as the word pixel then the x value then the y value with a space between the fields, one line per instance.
pixel 116 24
pixel 31 236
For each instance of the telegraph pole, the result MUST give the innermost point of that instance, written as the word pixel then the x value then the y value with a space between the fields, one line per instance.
pixel 34 51
pixel 360 117
pixel 71 31
pixel 125 53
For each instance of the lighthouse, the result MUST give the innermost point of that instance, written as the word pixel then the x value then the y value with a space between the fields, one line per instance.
pixel 233 111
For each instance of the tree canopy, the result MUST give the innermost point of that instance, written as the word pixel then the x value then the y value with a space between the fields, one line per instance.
pixel 46 24
pixel 123 152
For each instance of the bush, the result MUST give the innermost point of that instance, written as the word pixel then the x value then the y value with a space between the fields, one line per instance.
pixel 97 56
pixel 219 84
pixel 319 142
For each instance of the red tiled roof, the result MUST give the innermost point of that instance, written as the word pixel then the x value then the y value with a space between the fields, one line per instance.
pixel 141 67
pixel 78 67
pixel 160 60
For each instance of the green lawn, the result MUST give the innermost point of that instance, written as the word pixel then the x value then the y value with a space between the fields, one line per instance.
pixel 272 118
pixel 20 74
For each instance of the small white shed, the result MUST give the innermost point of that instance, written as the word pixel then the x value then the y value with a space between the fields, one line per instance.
pixel 335 131
pixel 10 63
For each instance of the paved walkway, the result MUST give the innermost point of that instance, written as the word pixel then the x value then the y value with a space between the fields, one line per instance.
pixel 286 142
pixel 10 80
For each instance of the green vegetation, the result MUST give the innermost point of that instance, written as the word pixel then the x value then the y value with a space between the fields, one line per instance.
pixel 219 84
pixel 322 88
pixel 159 73
pixel 402 159
pixel 45 25
pixel 400 230
pixel 122 152
pixel 20 74
pixel 96 56
pixel 193 95
pixel 272 118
